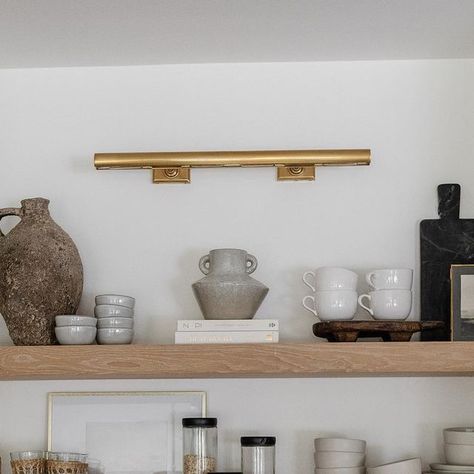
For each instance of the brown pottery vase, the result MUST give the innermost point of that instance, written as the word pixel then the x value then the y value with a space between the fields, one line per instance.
pixel 40 274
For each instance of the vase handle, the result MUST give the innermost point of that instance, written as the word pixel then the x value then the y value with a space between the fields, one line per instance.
pixel 204 263
pixel 253 264
pixel 8 211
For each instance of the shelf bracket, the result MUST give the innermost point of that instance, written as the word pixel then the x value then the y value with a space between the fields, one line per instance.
pixel 175 167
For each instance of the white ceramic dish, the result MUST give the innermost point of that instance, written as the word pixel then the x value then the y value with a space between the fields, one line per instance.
pixel 75 320
pixel 114 336
pixel 459 436
pixel 340 444
pixel 332 459
pixel 407 466
pixel 340 470
pixel 125 323
pixel 75 335
pixel 450 468
pixel 459 454
pixel 120 300
pixel 112 311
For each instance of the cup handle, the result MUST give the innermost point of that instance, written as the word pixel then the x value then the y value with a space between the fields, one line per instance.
pixel 204 263
pixel 306 282
pixel 253 264
pixel 368 278
pixel 311 297
pixel 367 308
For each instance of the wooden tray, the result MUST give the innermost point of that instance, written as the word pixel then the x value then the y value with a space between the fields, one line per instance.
pixel 350 331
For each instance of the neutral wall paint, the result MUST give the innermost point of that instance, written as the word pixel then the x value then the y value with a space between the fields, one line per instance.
pixel 145 240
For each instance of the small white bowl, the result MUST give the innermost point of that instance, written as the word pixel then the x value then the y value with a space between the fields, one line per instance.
pixel 75 335
pixel 114 336
pixel 332 459
pixel 459 436
pixel 340 444
pixel 75 320
pixel 407 466
pixel 112 311
pixel 340 470
pixel 461 454
pixel 120 300
pixel 125 323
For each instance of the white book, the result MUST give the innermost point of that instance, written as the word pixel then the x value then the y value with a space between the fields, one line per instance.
pixel 228 325
pixel 225 337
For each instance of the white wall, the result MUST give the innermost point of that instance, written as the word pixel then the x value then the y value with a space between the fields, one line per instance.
pixel 145 240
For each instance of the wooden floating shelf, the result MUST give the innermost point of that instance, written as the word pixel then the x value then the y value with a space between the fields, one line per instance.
pixel 241 360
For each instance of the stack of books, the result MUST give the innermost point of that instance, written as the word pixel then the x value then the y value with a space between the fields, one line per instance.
pixel 227 331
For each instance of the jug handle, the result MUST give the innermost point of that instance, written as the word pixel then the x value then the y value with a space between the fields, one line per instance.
pixel 253 264
pixel 204 264
pixel 8 211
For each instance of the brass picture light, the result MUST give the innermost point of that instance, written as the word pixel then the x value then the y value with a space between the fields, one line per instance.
pixel 175 167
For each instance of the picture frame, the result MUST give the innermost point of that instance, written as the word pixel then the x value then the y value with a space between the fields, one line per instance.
pixel 126 432
pixel 462 302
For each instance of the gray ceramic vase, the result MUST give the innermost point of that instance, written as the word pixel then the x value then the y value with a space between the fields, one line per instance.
pixel 40 274
pixel 227 291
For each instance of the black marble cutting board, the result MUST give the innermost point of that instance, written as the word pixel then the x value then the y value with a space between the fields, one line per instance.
pixel 444 241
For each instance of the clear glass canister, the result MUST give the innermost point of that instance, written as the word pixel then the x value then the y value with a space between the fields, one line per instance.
pixel 199 445
pixel 258 454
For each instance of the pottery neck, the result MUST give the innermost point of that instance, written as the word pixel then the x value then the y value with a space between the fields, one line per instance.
pixel 36 208
pixel 228 261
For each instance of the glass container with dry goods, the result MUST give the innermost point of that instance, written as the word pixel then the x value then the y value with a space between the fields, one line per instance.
pixel 28 462
pixel 258 454
pixel 199 445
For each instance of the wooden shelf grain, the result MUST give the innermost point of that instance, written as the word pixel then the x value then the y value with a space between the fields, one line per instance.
pixel 241 360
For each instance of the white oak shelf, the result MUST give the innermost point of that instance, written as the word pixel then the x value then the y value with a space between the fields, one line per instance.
pixel 361 359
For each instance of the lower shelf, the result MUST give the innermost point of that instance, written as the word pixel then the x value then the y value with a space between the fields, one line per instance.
pixel 241 360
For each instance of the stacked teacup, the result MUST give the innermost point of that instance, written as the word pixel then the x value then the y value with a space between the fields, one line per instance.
pixel 391 298
pixel 115 319
pixel 334 296
pixel 339 455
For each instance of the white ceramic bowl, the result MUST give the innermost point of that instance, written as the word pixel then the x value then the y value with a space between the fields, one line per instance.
pixel 120 300
pixel 340 470
pixel 112 311
pixel 459 436
pixel 125 323
pixel 75 320
pixel 72 335
pixel 340 444
pixel 331 459
pixel 114 336
pixel 462 454
pixel 407 466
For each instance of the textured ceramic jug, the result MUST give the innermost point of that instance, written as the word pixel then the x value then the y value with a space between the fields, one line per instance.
pixel 40 274
pixel 228 292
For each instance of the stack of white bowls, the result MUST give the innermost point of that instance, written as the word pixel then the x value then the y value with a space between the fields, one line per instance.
pixel 339 456
pixel 75 330
pixel 115 318
pixel 406 466
pixel 459 451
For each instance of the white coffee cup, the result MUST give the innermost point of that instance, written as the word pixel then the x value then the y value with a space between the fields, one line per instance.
pixel 388 304
pixel 390 279
pixel 332 305
pixel 331 278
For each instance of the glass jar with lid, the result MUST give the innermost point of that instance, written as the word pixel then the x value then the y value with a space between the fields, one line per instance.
pixel 258 454
pixel 199 445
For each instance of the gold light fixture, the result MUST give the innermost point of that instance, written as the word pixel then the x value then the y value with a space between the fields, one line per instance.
pixel 175 167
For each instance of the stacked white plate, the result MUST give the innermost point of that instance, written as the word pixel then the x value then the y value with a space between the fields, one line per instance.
pixel 339 456
pixel 114 315
pixel 459 452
